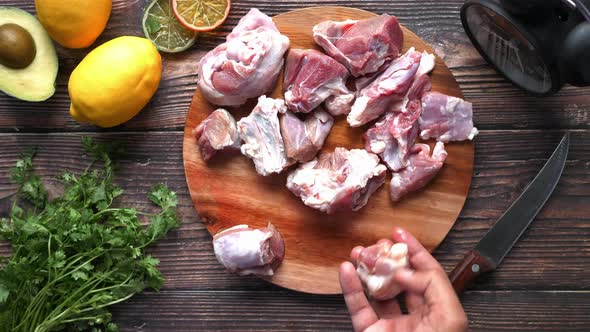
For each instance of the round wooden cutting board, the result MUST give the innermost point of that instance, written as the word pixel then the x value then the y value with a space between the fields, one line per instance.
pixel 227 191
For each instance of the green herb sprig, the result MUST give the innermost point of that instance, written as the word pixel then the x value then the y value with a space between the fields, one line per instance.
pixel 76 255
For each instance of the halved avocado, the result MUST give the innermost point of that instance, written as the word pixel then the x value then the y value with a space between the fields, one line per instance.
pixel 19 76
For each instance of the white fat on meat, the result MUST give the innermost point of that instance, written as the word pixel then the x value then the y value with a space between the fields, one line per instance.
pixel 395 134
pixel 217 132
pixel 304 138
pixel 427 63
pixel 311 78
pixel 376 265
pixel 421 169
pixel 362 46
pixel 339 181
pixel 421 83
pixel 246 65
pixel 387 91
pixel 244 250
pixel 446 118
pixel 379 140
pixel 262 138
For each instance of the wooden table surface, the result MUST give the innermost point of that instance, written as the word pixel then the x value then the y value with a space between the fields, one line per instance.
pixel 543 284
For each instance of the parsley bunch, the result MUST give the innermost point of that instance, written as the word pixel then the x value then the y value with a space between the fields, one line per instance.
pixel 76 255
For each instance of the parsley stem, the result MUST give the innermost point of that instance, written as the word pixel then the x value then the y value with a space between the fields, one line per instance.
pixel 76 255
pixel 69 303
pixel 40 297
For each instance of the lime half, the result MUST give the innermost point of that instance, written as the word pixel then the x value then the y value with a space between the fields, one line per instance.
pixel 164 30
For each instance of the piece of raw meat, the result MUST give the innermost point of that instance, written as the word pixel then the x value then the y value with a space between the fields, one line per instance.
pixel 311 78
pixel 405 127
pixel 393 136
pixel 262 138
pixel 405 131
pixel 378 140
pixel 421 83
pixel 244 250
pixel 303 139
pixel 376 266
pixel 387 91
pixel 446 118
pixel 342 180
pixel 427 63
pixel 420 170
pixel 339 104
pixel 318 126
pixel 217 132
pixel 362 46
pixel 364 81
pixel 246 65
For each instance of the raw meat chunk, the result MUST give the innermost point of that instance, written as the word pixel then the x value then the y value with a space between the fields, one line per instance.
pixel 421 83
pixel 405 131
pixel 217 132
pixel 261 133
pixel 378 140
pixel 303 139
pixel 393 137
pixel 364 81
pixel 427 63
pixel 244 250
pixel 376 266
pixel 405 128
pixel 312 77
pixel 246 65
pixel 386 91
pixel 446 118
pixel 342 180
pixel 362 46
pixel 420 170
pixel 339 104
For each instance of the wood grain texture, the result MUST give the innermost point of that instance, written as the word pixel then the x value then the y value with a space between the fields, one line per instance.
pixel 552 254
pixel 227 191
pixel 541 285
pixel 498 104
pixel 258 311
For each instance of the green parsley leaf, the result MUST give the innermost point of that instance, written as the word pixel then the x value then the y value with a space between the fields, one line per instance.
pixel 78 254
pixel 3 294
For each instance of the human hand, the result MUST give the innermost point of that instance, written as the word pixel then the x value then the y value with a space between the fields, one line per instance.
pixel 432 303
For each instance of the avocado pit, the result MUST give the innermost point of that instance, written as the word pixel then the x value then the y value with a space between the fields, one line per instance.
pixel 17 47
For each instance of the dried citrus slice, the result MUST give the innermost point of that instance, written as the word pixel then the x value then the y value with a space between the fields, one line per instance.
pixel 201 15
pixel 163 29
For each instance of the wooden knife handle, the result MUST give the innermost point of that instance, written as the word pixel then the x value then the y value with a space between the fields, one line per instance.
pixel 470 267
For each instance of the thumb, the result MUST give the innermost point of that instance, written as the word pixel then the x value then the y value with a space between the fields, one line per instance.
pixel 434 284
pixel 413 281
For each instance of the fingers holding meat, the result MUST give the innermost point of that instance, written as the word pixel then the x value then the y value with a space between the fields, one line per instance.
pixel 376 265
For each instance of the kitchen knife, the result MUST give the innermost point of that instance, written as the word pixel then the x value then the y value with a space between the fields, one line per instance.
pixel 498 241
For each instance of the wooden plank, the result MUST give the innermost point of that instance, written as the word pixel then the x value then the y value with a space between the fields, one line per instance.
pixel 277 310
pixel 553 254
pixel 498 105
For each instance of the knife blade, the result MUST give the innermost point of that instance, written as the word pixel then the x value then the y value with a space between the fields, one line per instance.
pixel 498 241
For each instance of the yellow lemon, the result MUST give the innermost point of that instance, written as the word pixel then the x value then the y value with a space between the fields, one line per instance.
pixel 115 81
pixel 74 24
